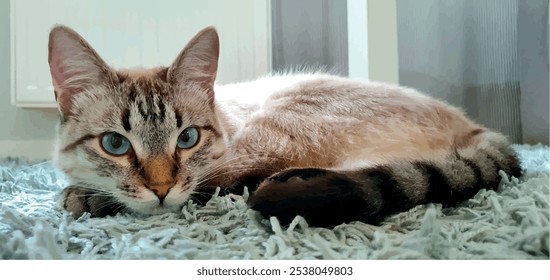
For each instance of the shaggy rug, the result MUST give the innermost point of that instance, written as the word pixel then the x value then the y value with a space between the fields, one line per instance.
pixel 511 223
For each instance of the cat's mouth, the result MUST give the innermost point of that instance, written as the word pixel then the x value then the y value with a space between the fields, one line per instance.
pixel 149 203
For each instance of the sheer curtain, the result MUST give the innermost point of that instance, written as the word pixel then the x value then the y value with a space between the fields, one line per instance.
pixel 470 53
pixel 310 34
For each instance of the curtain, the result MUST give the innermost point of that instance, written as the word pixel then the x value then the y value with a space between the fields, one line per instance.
pixel 533 46
pixel 309 35
pixel 469 53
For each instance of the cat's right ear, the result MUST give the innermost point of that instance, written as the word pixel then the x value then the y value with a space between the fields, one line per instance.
pixel 74 67
pixel 197 63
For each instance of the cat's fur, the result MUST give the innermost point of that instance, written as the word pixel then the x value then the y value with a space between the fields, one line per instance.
pixel 328 148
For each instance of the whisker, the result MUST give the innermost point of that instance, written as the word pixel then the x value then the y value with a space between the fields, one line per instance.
pixel 203 179
pixel 91 195
pixel 108 203
pixel 93 191
pixel 222 168
pixel 41 163
pixel 249 158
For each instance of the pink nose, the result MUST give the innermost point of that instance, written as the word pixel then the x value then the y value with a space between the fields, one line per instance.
pixel 161 190
pixel 158 175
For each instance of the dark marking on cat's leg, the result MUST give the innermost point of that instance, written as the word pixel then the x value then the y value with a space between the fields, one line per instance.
pixel 468 192
pixel 439 190
pixel 325 199
pixel 391 192
pixel 78 200
pixel 511 162
pixel 479 182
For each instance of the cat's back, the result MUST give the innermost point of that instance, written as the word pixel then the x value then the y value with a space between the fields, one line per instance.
pixel 259 90
pixel 323 93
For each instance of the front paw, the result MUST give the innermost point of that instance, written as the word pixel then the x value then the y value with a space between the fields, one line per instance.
pixel 78 200
pixel 323 197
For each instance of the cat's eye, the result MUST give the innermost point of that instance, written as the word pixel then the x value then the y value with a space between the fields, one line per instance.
pixel 115 144
pixel 188 138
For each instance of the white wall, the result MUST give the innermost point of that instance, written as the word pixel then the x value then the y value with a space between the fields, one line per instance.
pixel 23 132
pixel 382 30
pixel 129 33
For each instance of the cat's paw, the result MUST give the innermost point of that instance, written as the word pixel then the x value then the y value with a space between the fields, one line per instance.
pixel 77 201
pixel 323 197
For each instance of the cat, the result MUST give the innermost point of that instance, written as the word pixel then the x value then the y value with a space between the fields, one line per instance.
pixel 328 148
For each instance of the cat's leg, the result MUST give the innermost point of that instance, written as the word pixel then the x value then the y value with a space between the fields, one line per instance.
pixel 324 197
pixel 328 197
pixel 79 200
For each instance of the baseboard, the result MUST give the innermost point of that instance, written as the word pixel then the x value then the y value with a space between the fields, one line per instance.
pixel 30 149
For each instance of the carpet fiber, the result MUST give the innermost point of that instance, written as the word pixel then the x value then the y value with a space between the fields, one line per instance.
pixel 511 223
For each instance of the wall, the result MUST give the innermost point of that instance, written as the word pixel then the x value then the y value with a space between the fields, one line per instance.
pixel 23 132
pixel 382 32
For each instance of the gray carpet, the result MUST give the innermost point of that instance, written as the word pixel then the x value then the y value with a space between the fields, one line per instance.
pixel 511 223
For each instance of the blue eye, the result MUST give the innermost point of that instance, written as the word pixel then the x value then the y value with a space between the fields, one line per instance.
pixel 188 138
pixel 115 144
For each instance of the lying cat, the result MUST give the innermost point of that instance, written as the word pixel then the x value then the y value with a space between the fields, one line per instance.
pixel 328 148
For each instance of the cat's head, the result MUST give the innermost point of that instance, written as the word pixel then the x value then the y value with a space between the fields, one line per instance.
pixel 145 137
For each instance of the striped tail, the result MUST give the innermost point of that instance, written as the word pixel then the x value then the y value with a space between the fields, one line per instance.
pixel 331 197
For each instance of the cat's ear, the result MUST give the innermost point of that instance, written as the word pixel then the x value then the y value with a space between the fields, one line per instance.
pixel 197 63
pixel 74 66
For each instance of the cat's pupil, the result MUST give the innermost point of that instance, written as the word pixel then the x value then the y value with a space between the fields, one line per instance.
pixel 185 136
pixel 116 141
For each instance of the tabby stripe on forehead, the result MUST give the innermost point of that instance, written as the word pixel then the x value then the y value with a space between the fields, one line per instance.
pixel 74 144
pixel 150 103
pixel 132 95
pixel 142 106
pixel 162 109
pixel 178 119
pixel 126 119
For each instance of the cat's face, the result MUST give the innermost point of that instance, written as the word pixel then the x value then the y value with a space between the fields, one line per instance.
pixel 145 137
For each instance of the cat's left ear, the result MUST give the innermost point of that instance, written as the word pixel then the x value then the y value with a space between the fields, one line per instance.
pixel 197 63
